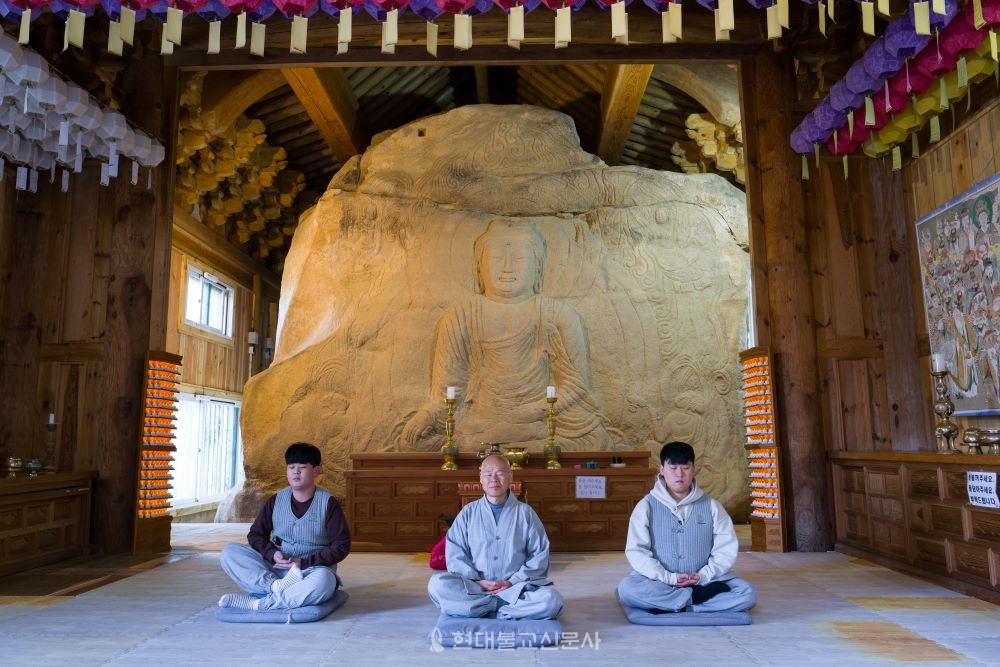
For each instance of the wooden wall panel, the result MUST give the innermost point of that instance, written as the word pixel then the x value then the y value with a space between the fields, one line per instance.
pixel 919 516
pixel 210 361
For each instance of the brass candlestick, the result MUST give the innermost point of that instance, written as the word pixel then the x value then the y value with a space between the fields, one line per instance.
pixel 449 451
pixel 971 440
pixel 552 450
pixel 945 429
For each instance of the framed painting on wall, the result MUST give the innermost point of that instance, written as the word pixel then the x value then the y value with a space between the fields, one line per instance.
pixel 959 245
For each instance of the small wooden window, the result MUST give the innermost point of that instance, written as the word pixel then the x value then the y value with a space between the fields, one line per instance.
pixel 209 303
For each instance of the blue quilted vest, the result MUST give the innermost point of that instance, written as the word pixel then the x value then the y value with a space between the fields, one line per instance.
pixel 302 536
pixel 682 547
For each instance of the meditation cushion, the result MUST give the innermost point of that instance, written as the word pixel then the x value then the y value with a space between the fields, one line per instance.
pixel 685 618
pixel 298 615
pixel 437 560
pixel 457 632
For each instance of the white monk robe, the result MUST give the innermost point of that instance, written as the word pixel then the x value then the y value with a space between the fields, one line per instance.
pixel 512 548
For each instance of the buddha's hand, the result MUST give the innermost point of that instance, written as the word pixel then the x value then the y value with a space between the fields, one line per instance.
pixel 420 425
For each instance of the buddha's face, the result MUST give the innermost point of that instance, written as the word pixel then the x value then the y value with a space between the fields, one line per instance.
pixel 508 267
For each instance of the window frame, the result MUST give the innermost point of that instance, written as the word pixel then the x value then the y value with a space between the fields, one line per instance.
pixel 209 280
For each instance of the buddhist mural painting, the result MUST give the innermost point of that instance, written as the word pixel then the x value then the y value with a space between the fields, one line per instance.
pixel 484 249
pixel 959 246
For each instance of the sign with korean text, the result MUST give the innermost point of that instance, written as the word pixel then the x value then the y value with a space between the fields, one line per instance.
pixel 591 487
pixel 982 488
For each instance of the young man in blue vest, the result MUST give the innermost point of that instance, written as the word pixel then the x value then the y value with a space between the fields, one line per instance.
pixel 681 545
pixel 295 544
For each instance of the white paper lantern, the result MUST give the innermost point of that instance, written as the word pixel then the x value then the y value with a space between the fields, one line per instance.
pixel 31 71
pixel 10 53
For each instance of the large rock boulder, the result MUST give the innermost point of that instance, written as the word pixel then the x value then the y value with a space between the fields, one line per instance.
pixel 649 269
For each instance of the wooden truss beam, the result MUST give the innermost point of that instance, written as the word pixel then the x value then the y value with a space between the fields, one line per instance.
pixel 227 95
pixel 624 86
pixel 330 102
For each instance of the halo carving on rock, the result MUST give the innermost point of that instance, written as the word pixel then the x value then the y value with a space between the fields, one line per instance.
pixel 625 287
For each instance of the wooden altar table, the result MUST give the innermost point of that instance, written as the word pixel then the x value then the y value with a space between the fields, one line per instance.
pixel 394 500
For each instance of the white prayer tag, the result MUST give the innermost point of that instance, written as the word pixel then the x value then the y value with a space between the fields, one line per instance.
pixel 830 5
pixel 978 20
pixel 127 19
pixel 391 34
pixel 619 20
pixel 993 46
pixel 914 145
pixel 388 40
pixel 727 18
pixel 135 172
pixel 938 7
pixel 63 133
pixel 22 178
pixel 257 38
pixel 344 30
pixel 883 7
pixel 564 33
pixel 921 18
pixel 300 28
pixel 388 49
pixel 868 17
pixel 897 158
pixel 783 13
pixel 33 181
pixel 65 36
pixel 214 37
pixel 962 72
pixel 105 176
pixel 65 181
pixel 175 18
pixel 166 48
pixel 668 37
pixel 721 35
pixel 515 27
pixel 25 29
pixel 676 19
pixel 845 166
pixel 935 129
pixel 241 30
pixel 982 489
pixel 115 43
pixel 591 487
pixel 432 39
pixel 75 21
pixel 463 32
pixel 773 25
pixel 822 17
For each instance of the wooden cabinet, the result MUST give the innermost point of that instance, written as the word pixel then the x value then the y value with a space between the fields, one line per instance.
pixel 394 500
pixel 43 519
pixel 913 511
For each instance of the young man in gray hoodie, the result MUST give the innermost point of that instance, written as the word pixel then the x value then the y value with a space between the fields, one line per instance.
pixel 681 546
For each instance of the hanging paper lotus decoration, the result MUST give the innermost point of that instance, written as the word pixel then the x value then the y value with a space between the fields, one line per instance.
pixel 575 5
pixel 290 8
pixel 426 9
pixel 213 10
pixel 378 9
pixel 606 4
pixel 506 5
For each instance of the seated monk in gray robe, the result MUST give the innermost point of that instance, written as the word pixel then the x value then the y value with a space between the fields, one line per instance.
pixel 497 554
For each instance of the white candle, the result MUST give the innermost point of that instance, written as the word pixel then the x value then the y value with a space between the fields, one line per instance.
pixel 450 393
pixel 937 362
pixel 550 392
pixel 52 418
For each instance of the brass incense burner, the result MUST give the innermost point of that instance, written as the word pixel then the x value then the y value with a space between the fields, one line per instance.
pixel 518 456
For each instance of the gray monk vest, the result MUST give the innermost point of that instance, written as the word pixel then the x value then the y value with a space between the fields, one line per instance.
pixel 682 547
pixel 303 536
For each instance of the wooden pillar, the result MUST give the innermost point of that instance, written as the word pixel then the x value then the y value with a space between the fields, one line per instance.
pixel 896 269
pixel 138 294
pixel 780 258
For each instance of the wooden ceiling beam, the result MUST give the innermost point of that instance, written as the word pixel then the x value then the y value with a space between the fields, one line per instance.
pixel 417 56
pixel 624 86
pixel 329 101
pixel 227 95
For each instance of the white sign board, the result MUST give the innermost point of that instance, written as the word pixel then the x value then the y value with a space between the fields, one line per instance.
pixel 982 488
pixel 590 487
